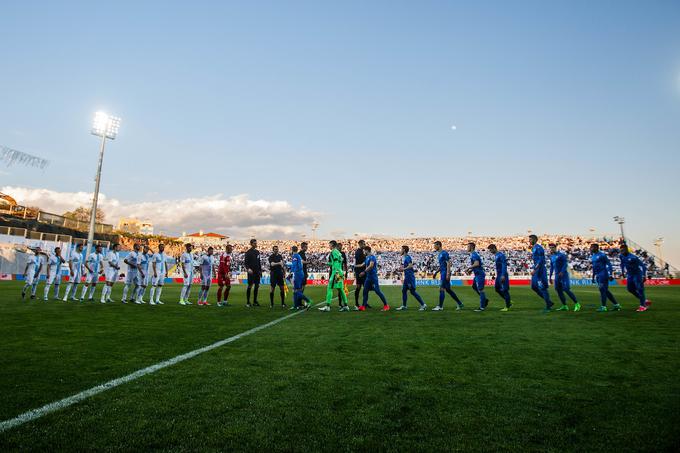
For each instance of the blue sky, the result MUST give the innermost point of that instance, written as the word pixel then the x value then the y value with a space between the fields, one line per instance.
pixel 566 113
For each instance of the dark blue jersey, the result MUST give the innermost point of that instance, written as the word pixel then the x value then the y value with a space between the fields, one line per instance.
pixel 601 264
pixel 474 257
pixel 538 255
pixel 501 264
pixel 443 259
pixel 407 261
pixel 373 272
pixel 632 266
pixel 559 265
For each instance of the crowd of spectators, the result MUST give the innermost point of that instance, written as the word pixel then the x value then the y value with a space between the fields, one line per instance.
pixel 387 252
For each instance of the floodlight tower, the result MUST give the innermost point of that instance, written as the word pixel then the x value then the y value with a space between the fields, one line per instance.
pixel 104 126
pixel 658 243
pixel 315 226
pixel 620 220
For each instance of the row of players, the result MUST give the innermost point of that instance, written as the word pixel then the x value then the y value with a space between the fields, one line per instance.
pixel 146 269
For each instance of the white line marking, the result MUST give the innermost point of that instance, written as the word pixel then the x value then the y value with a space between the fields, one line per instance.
pixel 71 400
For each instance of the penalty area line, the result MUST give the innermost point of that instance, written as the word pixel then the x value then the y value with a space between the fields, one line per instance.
pixel 78 397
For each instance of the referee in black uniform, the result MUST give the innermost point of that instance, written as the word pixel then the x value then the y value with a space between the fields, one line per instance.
pixel 276 272
pixel 254 268
pixel 303 255
pixel 359 267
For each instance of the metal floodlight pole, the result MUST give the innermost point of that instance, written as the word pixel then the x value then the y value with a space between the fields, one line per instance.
pixel 104 126
pixel 620 220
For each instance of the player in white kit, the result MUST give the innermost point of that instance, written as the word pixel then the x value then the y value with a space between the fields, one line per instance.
pixel 186 265
pixel 54 262
pixel 93 266
pixel 112 271
pixel 32 273
pixel 75 261
pixel 206 264
pixel 132 261
pixel 143 277
pixel 158 271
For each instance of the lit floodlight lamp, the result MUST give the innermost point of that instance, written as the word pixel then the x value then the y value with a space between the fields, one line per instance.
pixel 105 125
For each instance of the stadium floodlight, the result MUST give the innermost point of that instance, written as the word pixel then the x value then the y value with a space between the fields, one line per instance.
pixel 104 126
pixel 620 220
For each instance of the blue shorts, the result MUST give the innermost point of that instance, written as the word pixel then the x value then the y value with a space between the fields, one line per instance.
pixel 540 281
pixel 562 284
pixel 479 280
pixel 502 286
pixel 371 283
pixel 298 281
pixel 602 281
pixel 635 282
pixel 409 283
pixel 444 283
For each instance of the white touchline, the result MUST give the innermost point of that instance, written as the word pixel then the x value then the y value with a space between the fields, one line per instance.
pixel 71 400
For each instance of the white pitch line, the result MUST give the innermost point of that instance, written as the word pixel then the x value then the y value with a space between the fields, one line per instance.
pixel 71 400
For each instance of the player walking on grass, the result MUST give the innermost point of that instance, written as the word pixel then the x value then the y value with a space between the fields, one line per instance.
pixel 54 263
pixel 32 273
pixel 93 266
pixel 186 265
pixel 297 268
pixel 502 282
pixel 409 284
pixel 359 267
pixel 75 272
pixel 336 280
pixel 224 277
pixel 634 270
pixel 112 271
pixel 479 276
pixel 444 272
pixel 144 276
pixel 206 264
pixel 132 277
pixel 539 273
pixel 559 266
pixel 254 267
pixel 303 255
pixel 602 275
pixel 159 270
pixel 276 277
pixel 372 282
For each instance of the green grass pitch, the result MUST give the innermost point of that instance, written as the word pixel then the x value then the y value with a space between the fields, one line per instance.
pixel 409 381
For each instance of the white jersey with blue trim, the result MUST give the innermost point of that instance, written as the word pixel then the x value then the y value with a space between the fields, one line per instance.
pixel 159 259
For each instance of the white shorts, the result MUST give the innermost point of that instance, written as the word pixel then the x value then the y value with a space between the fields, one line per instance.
pixel 32 278
pixel 131 277
pixel 158 281
pixel 111 275
pixel 206 280
pixel 53 278
pixel 76 277
pixel 189 280
pixel 143 281
pixel 92 278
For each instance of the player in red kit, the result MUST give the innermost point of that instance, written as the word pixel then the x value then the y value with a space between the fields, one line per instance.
pixel 224 277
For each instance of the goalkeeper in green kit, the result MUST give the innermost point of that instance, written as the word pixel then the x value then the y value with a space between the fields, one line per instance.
pixel 336 279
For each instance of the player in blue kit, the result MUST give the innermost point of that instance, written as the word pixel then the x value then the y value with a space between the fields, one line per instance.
pixel 372 283
pixel 559 267
pixel 444 272
pixel 299 280
pixel 502 282
pixel 539 273
pixel 409 284
pixel 602 275
pixel 634 270
pixel 479 276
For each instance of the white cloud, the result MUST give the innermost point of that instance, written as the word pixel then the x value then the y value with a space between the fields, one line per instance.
pixel 236 216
